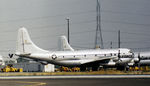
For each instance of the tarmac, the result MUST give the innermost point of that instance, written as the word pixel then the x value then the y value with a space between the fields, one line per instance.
pixel 76 82
pixel 87 79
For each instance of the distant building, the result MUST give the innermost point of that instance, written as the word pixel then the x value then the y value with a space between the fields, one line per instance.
pixel 33 66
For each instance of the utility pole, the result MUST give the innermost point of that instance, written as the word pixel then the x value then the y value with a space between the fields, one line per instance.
pixel 98 38
pixel 119 39
pixel 68 30
pixel 111 45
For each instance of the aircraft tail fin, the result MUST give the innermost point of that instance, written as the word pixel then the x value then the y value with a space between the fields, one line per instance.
pixel 65 46
pixel 25 45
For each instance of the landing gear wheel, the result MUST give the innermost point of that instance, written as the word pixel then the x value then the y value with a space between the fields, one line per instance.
pixel 94 68
pixel 82 68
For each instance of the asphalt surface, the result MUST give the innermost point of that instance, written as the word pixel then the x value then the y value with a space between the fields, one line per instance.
pixel 77 82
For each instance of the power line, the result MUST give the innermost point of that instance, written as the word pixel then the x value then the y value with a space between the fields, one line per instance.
pixel 81 32
pixel 73 13
pixel 46 17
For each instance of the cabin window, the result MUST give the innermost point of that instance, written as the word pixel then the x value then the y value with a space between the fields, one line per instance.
pixel 104 54
pixel 84 55
pixel 111 54
pixel 74 56
pixel 63 56
pixel 114 54
pixel 95 54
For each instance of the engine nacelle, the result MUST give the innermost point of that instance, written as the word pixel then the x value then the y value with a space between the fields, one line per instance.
pixel 111 63
pixel 136 60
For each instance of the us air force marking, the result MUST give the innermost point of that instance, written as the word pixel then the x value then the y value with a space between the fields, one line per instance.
pixel 54 56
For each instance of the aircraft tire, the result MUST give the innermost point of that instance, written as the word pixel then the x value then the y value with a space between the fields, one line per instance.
pixel 82 68
pixel 94 68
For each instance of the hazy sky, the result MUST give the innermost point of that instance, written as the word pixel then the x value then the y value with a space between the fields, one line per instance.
pixel 46 21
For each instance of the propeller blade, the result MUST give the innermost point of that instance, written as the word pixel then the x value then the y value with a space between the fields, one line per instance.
pixel 119 57
pixel 119 54
pixel 10 55
pixel 139 57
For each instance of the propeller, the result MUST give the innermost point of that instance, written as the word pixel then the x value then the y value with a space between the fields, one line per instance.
pixel 139 57
pixel 136 61
pixel 10 55
pixel 119 57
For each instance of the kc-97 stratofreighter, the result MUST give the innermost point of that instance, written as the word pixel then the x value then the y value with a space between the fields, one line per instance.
pixel 80 58
pixel 120 64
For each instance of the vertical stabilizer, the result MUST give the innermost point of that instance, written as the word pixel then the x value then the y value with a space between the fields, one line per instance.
pixel 25 45
pixel 65 46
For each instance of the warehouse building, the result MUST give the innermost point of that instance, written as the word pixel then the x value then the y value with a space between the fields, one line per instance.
pixel 33 66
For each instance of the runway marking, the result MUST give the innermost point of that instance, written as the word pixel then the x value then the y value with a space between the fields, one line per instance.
pixel 33 83
pixel 26 82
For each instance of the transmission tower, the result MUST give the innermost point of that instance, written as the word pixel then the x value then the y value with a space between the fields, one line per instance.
pixel 98 38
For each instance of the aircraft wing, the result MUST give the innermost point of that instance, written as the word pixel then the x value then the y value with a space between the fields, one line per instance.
pixel 97 61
